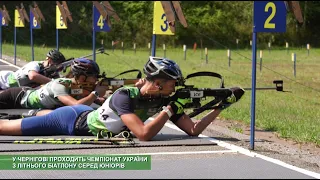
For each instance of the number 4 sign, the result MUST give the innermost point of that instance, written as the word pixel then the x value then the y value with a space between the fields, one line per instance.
pixel 269 16
pixel 99 23
pixel 101 16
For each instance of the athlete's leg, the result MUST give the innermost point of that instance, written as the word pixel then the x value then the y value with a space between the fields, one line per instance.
pixel 10 98
pixel 43 112
pixel 8 127
pixel 58 122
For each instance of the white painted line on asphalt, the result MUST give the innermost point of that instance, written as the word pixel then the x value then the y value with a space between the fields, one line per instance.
pixel 186 152
pixel 9 64
pixel 250 153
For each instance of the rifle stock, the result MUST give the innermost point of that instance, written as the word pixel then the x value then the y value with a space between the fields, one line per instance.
pixel 112 83
pixel 197 95
pixel 115 84
pixel 85 89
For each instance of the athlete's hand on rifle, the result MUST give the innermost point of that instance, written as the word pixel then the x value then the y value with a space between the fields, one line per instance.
pixel 101 90
pixel 178 105
pixel 236 95
pixel 100 100
pixel 140 83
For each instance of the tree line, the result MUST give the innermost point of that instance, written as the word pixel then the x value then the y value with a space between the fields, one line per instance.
pixel 215 24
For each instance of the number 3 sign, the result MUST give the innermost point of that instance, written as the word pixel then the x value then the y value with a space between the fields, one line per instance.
pixel 269 16
pixel 160 23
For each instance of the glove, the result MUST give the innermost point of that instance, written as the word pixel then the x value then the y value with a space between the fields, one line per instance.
pixel 178 105
pixel 236 95
pixel 184 101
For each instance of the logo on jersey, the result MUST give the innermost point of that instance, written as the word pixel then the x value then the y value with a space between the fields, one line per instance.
pixel 76 91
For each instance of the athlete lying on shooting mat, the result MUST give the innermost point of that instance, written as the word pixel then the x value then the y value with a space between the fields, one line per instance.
pixel 127 108
pixel 31 75
pixel 57 92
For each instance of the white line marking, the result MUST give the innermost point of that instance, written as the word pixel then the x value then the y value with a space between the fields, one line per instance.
pixel 9 64
pixel 250 153
pixel 185 152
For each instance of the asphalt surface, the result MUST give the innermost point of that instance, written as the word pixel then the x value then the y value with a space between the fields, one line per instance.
pixel 173 155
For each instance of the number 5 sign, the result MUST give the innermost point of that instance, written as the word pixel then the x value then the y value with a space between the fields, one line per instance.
pixel 269 16
pixel 59 20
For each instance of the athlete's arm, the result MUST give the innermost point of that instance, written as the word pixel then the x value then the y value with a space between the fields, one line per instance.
pixel 124 107
pixel 38 78
pixel 144 132
pixel 69 100
pixel 195 128
pixel 62 92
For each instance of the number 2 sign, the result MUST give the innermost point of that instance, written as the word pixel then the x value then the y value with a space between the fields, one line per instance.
pixel 269 16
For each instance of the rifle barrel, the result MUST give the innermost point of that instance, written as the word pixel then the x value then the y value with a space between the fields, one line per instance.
pixel 265 88
pixel 100 52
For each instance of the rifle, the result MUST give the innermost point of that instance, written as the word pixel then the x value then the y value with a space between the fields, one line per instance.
pixel 113 83
pixel 83 89
pixel 199 94
pixel 53 71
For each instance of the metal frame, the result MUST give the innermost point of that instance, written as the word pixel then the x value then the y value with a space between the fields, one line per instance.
pixel 106 10
pixel 23 13
pixel 173 11
pixel 65 12
pixel 37 12
pixel 5 14
pixel 294 7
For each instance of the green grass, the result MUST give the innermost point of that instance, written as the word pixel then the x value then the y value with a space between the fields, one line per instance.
pixel 294 114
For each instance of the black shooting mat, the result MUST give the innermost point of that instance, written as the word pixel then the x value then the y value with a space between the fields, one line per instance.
pixel 166 137
pixel 4 112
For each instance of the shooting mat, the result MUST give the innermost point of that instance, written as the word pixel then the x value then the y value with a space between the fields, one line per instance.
pixel 166 137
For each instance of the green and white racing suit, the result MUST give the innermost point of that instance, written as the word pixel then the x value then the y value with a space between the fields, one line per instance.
pixel 125 100
pixel 46 96
pixel 20 77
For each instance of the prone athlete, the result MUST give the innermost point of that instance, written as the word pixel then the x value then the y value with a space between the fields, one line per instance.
pixel 127 108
